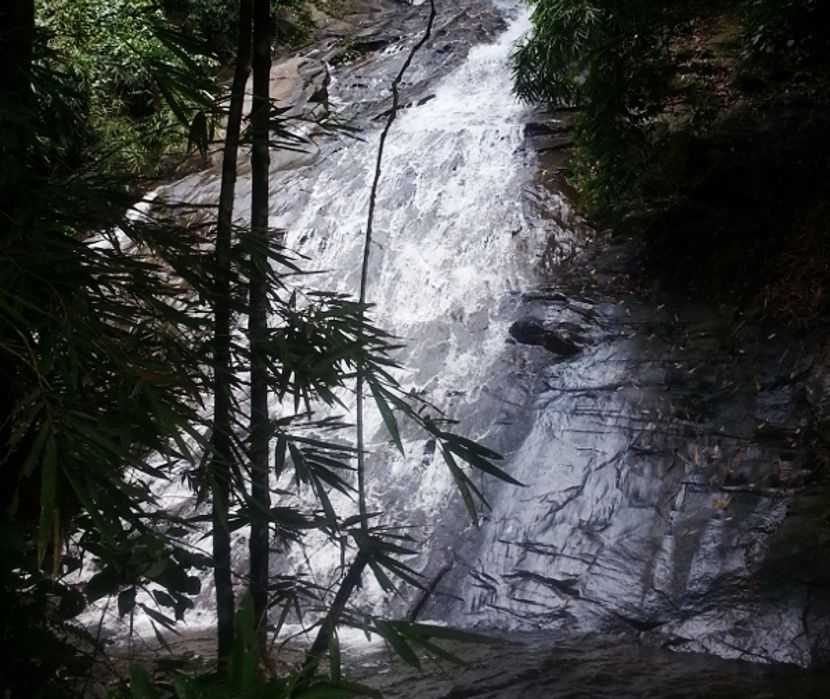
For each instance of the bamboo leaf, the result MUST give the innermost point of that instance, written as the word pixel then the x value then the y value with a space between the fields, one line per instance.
pixel 141 686
pixel 463 485
pixel 450 634
pixel 386 413
pixel 398 644
pixel 481 463
pixel 165 621
pixel 126 601
pixel 279 455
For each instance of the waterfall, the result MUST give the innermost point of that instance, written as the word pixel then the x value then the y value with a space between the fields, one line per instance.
pixel 622 524
pixel 453 248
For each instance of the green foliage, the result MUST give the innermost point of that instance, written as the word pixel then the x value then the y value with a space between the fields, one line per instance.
pixel 139 81
pixel 787 26
pixel 138 76
pixel 620 64
pixel 611 59
pixel 38 630
pixel 216 22
pixel 102 364
pixel 243 678
pixel 292 21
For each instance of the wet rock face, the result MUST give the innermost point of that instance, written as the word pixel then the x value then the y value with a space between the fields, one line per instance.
pixel 671 479
pixel 544 136
pixel 363 49
pixel 300 86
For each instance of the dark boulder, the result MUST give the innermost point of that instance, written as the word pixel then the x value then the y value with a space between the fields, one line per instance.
pixel 531 331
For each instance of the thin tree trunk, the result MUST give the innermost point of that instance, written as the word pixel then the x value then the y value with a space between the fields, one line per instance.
pixel 222 363
pixel 258 316
pixel 354 575
pixel 17 36
pixel 17 33
pixel 322 641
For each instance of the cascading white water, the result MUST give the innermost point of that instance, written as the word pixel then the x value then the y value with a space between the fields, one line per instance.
pixel 452 248
pixel 446 256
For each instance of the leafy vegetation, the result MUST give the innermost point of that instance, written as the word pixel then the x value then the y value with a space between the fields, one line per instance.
pixel 140 71
pixel 136 78
pixel 612 60
pixel 109 334
pixel 696 127
pixel 625 67
pixel 787 27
